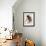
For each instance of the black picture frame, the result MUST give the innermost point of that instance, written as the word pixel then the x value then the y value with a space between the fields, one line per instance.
pixel 30 18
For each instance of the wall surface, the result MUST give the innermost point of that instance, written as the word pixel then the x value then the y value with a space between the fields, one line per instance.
pixel 6 13
pixel 32 33
pixel 43 22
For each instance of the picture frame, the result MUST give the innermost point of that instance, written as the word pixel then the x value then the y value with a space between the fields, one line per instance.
pixel 28 19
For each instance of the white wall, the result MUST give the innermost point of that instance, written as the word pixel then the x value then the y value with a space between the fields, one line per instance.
pixel 43 22
pixel 29 32
pixel 6 13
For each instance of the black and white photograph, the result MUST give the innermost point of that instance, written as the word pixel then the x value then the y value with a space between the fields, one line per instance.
pixel 29 19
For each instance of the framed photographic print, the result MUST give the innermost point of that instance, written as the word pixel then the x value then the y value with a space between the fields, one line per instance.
pixel 28 19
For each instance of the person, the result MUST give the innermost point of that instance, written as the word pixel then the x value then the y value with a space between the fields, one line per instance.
pixel 28 19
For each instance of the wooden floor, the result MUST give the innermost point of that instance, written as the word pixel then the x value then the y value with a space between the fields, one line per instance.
pixel 9 43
